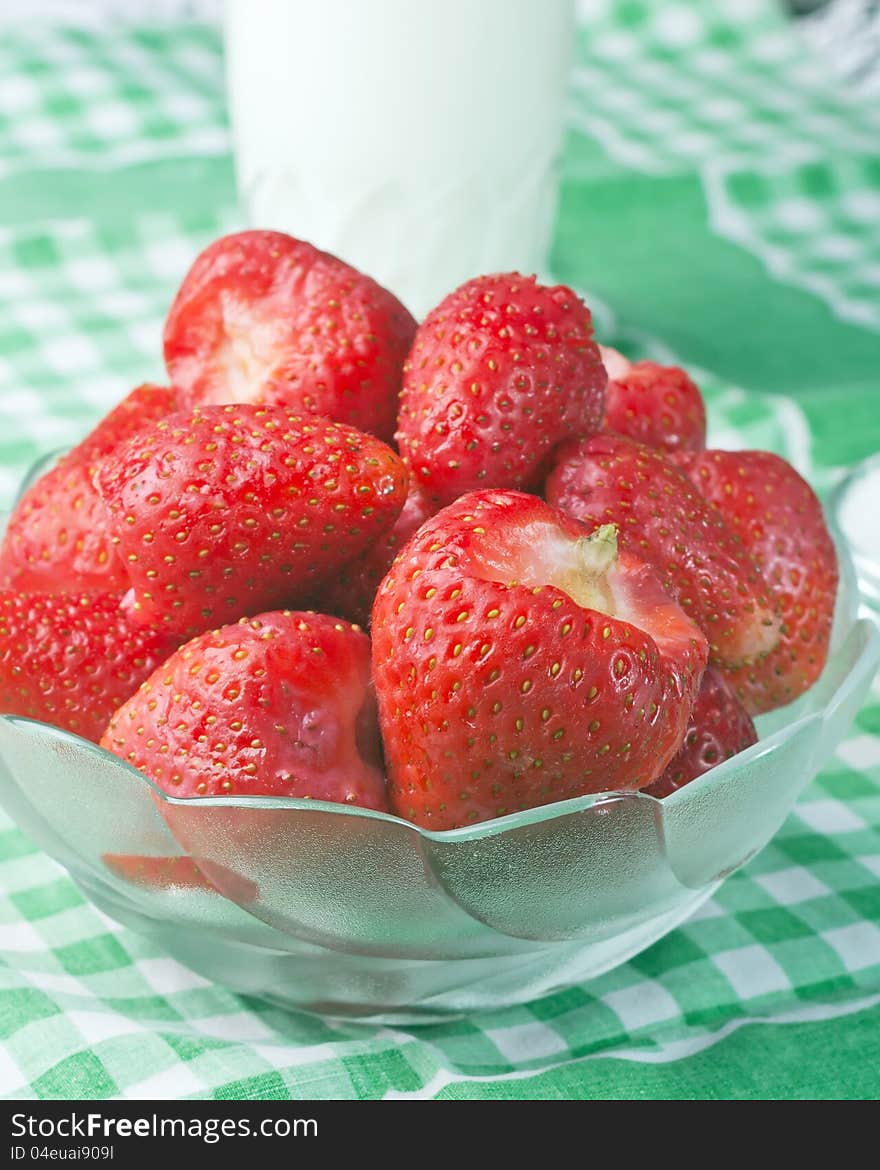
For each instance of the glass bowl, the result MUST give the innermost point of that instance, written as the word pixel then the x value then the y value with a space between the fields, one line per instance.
pixel 346 912
pixel 855 504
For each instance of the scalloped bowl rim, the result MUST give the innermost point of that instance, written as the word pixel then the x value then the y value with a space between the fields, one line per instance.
pixel 522 818
pixel 483 829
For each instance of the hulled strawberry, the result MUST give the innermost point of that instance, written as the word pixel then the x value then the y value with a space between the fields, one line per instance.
pixel 276 705
pixel 663 519
pixel 264 318
pixel 499 372
pixel 778 518
pixel 58 537
pixel 230 509
pixel 657 405
pixel 70 659
pixel 520 659
pixel 351 592
pixel 719 727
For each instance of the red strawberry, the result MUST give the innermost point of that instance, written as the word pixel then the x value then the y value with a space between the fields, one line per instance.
pixel 656 405
pixel 264 318
pixel 664 520
pixel 352 592
pixel 499 372
pixel 519 660
pixel 162 873
pixel 170 874
pixel 70 659
pixel 58 536
pixel 719 728
pixel 231 509
pixel 277 705
pixel 779 519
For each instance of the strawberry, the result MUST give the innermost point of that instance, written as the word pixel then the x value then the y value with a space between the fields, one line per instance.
pixel 58 536
pixel 70 659
pixel 351 593
pixel 264 318
pixel 170 874
pixel 520 660
pixel 719 728
pixel 276 705
pixel 779 519
pixel 657 405
pixel 156 873
pixel 665 521
pixel 499 372
pixel 230 509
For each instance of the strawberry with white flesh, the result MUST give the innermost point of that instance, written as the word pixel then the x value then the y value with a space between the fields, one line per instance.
pixel 229 510
pixel 70 659
pixel 264 318
pixel 499 372
pixel 520 660
pixel 719 728
pixel 663 519
pixel 351 593
pixel 657 405
pixel 58 537
pixel 779 519
pixel 276 705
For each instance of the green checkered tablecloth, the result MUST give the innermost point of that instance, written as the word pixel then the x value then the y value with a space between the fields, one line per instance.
pixel 721 207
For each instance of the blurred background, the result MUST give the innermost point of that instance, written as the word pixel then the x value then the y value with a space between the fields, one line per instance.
pixel 719 203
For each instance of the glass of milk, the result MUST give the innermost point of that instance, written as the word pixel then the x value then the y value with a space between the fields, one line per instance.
pixel 416 139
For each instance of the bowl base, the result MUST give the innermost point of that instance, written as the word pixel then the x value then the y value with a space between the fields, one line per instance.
pixel 398 992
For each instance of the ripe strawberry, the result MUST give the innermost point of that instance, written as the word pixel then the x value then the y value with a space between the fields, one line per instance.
pixel 170 874
pixel 276 705
pixel 778 518
pixel 70 659
pixel 719 728
pixel 664 520
pixel 499 372
pixel 231 509
pixel 351 593
pixel 264 318
pixel 58 536
pixel 157 873
pixel 519 660
pixel 657 405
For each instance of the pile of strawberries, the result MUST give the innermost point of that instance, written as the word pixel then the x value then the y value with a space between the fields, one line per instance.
pixel 565 592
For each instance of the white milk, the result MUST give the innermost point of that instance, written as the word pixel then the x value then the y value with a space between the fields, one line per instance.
pixel 416 139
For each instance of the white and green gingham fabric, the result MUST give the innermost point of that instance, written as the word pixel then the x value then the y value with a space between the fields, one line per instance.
pixel 721 207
